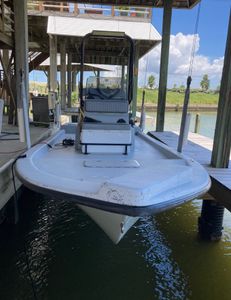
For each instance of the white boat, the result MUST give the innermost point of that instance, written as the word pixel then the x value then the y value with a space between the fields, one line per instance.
pixel 114 171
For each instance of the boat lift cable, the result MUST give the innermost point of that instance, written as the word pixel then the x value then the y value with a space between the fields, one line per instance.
pixel 185 117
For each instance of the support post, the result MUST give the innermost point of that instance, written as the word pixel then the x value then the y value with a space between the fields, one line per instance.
pixel 222 137
pixel 212 214
pixel 22 69
pixel 197 123
pixel 63 74
pixel 74 76
pixel 135 81
pixel 69 85
pixel 166 29
pixel 98 78
pixel 52 97
pixel 211 220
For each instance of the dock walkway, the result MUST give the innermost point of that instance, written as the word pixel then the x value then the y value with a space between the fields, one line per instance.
pixel 10 148
pixel 199 148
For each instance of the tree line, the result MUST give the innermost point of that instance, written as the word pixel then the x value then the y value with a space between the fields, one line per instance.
pixel 204 84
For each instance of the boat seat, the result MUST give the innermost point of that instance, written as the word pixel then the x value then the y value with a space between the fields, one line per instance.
pixel 96 117
pixel 106 138
pixel 106 106
pixel 107 93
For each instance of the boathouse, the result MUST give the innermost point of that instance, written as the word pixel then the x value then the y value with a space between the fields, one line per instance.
pixel 32 31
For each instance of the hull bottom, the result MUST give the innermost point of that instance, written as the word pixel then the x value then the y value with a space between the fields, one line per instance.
pixel 114 225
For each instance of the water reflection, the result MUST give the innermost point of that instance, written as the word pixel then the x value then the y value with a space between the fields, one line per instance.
pixel 170 281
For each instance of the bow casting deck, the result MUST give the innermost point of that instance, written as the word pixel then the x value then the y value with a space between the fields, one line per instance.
pixel 200 148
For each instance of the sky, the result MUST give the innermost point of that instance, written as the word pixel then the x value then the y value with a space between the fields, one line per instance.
pixel 210 45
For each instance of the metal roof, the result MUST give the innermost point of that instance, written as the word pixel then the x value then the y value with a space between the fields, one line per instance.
pixel 45 66
pixel 144 34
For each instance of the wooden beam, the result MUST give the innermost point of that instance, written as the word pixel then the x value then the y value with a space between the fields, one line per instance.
pixel 22 69
pixel 6 74
pixel 6 39
pixel 21 44
pixel 74 77
pixel 33 64
pixel 164 64
pixel 53 63
pixel 222 138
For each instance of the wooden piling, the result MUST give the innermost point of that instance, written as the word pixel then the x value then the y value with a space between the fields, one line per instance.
pixel 164 64
pixel 197 123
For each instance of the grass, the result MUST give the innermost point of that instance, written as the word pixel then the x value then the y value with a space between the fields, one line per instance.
pixel 174 98
pixel 151 96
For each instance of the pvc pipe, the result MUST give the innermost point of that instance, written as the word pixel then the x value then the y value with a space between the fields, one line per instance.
pixel 25 114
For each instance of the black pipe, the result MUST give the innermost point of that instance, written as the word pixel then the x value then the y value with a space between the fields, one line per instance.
pixel 211 220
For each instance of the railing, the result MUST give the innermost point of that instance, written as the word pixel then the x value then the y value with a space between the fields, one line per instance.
pixel 74 9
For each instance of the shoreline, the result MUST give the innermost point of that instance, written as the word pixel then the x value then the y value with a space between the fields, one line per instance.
pixel 177 107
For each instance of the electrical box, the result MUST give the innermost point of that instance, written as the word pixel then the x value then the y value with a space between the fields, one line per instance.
pixel 40 110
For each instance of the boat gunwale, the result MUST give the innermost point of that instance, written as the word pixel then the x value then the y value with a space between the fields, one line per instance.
pixel 134 211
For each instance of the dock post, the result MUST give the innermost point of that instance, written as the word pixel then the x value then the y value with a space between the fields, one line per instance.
pixel 211 220
pixel 74 77
pixel 69 78
pixel 63 74
pixel 167 17
pixel 135 82
pixel 52 96
pixel 222 137
pixel 22 68
pixel 197 123
pixel 212 214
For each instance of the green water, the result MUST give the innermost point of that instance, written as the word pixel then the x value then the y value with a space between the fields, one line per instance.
pixel 71 258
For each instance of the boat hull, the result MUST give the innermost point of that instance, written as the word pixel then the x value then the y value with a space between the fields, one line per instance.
pixel 113 189
pixel 114 225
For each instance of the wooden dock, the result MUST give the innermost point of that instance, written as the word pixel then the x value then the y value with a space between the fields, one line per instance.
pixel 199 148
pixel 10 148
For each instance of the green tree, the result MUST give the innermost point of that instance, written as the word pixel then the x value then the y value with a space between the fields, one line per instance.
pixel 205 83
pixel 151 81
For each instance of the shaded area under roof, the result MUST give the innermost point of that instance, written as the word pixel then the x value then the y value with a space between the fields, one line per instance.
pixel 74 29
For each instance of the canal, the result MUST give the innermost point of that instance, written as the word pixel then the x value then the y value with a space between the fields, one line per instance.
pixel 68 257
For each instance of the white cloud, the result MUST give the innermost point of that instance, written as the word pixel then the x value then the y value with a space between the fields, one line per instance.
pixel 179 60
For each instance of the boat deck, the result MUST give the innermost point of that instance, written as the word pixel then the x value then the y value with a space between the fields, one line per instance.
pixel 199 148
pixel 149 179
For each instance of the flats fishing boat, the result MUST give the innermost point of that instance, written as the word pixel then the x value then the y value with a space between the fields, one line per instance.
pixel 105 163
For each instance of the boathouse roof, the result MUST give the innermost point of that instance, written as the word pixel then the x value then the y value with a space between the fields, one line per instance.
pixel 144 34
